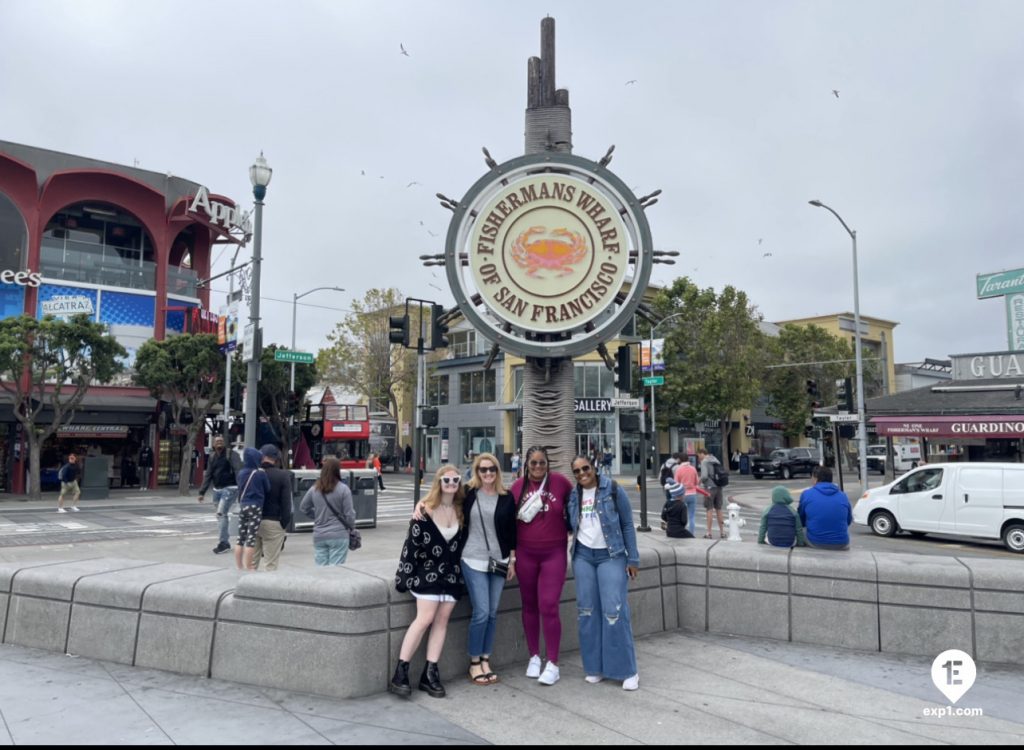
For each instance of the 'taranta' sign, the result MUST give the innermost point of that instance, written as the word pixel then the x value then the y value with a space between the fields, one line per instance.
pixel 1001 283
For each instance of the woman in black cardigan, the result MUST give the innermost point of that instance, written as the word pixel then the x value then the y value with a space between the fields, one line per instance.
pixel 430 570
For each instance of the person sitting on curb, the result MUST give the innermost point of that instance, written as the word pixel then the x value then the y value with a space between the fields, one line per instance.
pixel 675 513
pixel 780 522
pixel 826 513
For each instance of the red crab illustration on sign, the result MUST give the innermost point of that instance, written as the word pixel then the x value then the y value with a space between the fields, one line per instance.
pixel 558 252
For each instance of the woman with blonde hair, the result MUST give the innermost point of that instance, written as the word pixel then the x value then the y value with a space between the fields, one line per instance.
pixel 430 570
pixel 488 558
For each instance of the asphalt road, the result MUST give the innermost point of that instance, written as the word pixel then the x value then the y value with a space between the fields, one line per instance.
pixel 166 527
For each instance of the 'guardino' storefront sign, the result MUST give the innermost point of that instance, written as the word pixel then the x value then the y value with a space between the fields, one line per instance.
pixel 538 252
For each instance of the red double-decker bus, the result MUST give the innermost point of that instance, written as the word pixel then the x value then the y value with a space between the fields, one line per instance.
pixel 341 430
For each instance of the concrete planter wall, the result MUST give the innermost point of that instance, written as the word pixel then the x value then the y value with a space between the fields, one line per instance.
pixel 337 631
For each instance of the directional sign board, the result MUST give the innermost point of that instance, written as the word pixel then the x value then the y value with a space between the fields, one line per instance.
pixel 626 403
pixel 302 358
pixel 656 380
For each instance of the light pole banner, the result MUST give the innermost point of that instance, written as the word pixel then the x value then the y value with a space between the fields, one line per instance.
pixel 1015 321
pixel 659 355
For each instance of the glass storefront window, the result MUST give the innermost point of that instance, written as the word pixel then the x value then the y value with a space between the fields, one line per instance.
pixel 477 387
pixel 476 440
pixel 437 390
pixel 594 380
pixel 13 245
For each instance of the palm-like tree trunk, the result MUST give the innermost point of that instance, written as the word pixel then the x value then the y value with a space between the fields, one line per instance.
pixel 549 419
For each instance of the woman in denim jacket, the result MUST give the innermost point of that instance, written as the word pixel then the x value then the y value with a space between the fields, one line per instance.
pixel 604 558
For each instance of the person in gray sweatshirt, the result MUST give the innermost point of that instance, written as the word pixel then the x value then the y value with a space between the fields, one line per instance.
pixel 329 504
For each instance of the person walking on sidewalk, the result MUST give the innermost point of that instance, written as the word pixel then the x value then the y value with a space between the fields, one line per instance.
pixel 430 569
pixel 686 475
pixel 605 558
pixel 713 498
pixel 145 465
pixel 68 476
pixel 378 470
pixel 277 510
pixel 255 486
pixel 541 560
pixel 222 474
pixel 329 503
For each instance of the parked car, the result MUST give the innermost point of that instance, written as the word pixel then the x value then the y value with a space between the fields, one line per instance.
pixel 786 463
pixel 907 456
pixel 984 500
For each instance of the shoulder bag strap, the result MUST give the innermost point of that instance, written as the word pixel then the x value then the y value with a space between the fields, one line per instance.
pixel 336 513
pixel 483 528
pixel 242 493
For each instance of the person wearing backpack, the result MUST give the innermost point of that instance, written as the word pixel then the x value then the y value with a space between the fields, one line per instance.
pixel 68 476
pixel 222 474
pixel 711 479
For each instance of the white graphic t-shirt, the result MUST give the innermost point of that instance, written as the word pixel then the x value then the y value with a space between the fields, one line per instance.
pixel 590 533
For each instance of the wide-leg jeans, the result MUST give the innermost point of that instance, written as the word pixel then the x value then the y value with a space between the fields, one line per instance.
pixel 606 635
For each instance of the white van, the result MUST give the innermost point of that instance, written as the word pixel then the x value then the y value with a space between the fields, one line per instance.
pixel 983 500
pixel 906 456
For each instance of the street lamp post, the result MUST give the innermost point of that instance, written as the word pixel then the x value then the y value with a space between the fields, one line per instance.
pixel 295 307
pixel 862 432
pixel 259 175
pixel 654 413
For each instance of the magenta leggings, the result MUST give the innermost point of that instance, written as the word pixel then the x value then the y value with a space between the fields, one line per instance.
pixel 541 573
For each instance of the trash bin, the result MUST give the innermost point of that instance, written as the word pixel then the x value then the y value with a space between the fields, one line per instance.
pixel 744 464
pixel 361 482
pixel 95 480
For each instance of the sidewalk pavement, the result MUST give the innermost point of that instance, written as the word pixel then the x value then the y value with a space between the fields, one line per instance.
pixel 695 688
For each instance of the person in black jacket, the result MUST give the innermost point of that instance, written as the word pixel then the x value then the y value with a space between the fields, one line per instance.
pixel 68 476
pixel 277 509
pixel 222 469
pixel 430 569
pixel 145 465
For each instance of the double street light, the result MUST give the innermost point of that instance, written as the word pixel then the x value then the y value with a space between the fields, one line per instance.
pixel 259 175
pixel 295 307
pixel 862 432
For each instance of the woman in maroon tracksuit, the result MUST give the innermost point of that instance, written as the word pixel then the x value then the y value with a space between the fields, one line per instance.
pixel 541 560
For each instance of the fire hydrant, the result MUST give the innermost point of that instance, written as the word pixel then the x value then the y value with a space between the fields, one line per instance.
pixel 735 522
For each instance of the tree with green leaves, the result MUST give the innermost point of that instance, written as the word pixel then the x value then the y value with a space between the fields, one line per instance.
pixel 715 353
pixel 800 354
pixel 50 364
pixel 361 357
pixel 274 385
pixel 186 371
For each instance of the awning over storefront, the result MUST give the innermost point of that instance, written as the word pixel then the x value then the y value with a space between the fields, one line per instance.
pixel 994 426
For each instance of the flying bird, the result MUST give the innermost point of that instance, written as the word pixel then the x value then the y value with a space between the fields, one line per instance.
pixel 412 183
pixel 362 172
pixel 631 81
pixel 767 255
pixel 421 223
pixel 836 92
pixel 436 287
pixel 431 233
pixel 759 240
pixel 402 47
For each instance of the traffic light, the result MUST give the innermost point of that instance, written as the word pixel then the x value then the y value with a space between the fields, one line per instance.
pixel 399 333
pixel 291 404
pixel 844 395
pixel 812 387
pixel 809 431
pixel 438 330
pixel 428 417
pixel 624 367
pixel 629 422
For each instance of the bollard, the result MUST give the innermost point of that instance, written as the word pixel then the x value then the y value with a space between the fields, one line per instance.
pixel 735 522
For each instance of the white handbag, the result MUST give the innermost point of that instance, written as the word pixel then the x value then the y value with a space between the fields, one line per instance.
pixel 531 507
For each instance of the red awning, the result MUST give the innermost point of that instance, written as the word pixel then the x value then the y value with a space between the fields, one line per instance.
pixel 995 426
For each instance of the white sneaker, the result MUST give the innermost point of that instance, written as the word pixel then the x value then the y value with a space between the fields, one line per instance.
pixel 593 679
pixel 75 508
pixel 533 668
pixel 61 510
pixel 550 675
pixel 631 683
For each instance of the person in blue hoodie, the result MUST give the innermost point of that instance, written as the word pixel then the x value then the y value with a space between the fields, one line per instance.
pixel 826 513
pixel 780 522
pixel 255 486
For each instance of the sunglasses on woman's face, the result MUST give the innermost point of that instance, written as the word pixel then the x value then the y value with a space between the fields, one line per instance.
pixel 538 463
pixel 487 469
pixel 583 470
pixel 451 480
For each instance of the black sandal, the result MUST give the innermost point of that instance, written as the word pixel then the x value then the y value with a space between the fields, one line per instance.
pixel 491 677
pixel 479 679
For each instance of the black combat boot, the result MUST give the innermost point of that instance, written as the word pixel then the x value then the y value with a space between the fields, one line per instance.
pixel 399 684
pixel 430 680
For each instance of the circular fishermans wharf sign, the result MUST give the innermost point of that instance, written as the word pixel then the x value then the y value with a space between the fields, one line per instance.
pixel 549 255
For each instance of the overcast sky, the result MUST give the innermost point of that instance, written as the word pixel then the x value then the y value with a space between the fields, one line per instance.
pixel 732 114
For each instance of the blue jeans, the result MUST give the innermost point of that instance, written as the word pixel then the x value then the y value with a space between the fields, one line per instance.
pixel 330 551
pixel 484 594
pixel 223 499
pixel 606 635
pixel 691 508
